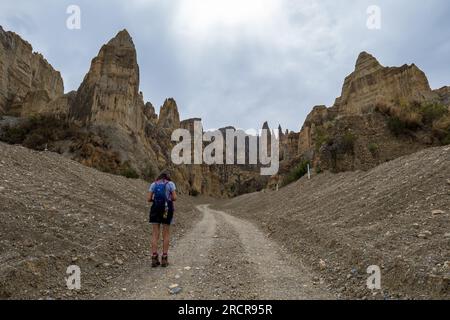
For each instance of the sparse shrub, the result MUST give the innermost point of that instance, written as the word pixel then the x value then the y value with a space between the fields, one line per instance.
pixel 128 171
pixel 38 131
pixel 35 141
pixel 299 171
pixel 13 135
pixel 321 138
pixel 373 148
pixel 441 129
pixel 347 143
pixel 318 169
pixel 149 173
pixel 410 116
pixel 194 193
pixel 446 140
pixel 432 112
pixel 396 126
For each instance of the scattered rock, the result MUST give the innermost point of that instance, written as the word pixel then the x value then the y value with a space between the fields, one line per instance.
pixel 187 268
pixel 322 264
pixel 174 289
pixel 424 234
pixel 437 212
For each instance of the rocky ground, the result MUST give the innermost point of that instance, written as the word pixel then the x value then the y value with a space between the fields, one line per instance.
pixel 396 216
pixel 222 257
pixel 313 239
pixel 55 212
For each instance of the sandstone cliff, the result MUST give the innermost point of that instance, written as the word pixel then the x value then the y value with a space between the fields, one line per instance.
pixel 444 95
pixel 371 84
pixel 25 76
pixel 109 93
pixel 383 113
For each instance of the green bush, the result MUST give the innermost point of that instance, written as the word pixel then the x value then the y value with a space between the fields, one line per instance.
pixel 194 193
pixel 38 131
pixel 13 135
pixel 406 117
pixel 373 148
pixel 149 174
pixel 446 140
pixel 321 138
pixel 348 142
pixel 432 112
pixel 128 171
pixel 35 141
pixel 396 126
pixel 318 169
pixel 299 171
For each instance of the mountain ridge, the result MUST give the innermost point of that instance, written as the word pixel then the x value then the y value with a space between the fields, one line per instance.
pixel 125 134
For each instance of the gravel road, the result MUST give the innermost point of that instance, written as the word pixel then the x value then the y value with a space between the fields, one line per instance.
pixel 222 257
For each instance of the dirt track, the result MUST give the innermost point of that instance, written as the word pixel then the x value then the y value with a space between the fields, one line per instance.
pixel 312 239
pixel 222 257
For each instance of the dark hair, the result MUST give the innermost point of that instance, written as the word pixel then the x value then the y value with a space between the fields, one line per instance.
pixel 164 176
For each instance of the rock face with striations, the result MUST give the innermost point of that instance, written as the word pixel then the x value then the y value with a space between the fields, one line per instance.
pixel 119 133
pixel 109 93
pixel 354 133
pixel 169 118
pixel 371 83
pixel 444 95
pixel 25 77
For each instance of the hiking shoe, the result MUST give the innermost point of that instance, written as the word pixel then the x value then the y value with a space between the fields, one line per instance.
pixel 155 261
pixel 164 261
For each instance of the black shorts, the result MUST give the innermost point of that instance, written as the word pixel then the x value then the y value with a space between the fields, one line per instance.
pixel 160 216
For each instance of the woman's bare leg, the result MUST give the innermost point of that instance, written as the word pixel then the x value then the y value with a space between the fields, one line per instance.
pixel 166 237
pixel 155 238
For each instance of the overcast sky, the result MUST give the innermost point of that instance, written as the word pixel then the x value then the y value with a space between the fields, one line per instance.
pixel 240 62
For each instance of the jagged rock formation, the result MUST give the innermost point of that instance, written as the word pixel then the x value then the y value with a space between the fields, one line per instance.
pixel 112 129
pixel 444 95
pixel 110 93
pixel 169 118
pixel 371 83
pixel 357 131
pixel 25 76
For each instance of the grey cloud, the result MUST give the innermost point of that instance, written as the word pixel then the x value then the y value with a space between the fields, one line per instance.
pixel 274 69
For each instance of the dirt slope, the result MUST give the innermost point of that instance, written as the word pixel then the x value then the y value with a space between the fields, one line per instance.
pixel 55 212
pixel 353 220
pixel 311 239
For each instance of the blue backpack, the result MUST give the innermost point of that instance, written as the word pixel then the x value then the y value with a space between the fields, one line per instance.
pixel 160 196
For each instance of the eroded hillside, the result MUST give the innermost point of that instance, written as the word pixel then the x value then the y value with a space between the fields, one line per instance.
pixel 396 216
pixel 55 212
